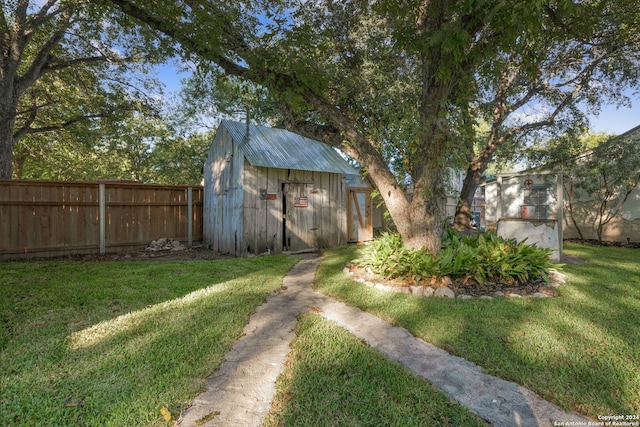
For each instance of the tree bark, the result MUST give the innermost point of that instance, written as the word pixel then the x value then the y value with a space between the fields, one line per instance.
pixel 7 142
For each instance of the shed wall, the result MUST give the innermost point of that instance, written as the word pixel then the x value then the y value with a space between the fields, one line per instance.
pixel 325 216
pixel 512 197
pixel 224 197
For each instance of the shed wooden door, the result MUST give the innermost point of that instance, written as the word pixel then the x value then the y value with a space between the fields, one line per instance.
pixel 359 215
pixel 297 218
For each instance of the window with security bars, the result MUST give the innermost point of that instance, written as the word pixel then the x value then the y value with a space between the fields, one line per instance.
pixel 536 199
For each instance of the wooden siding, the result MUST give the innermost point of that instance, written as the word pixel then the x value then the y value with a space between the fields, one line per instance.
pixel 223 171
pixel 360 215
pixel 321 224
pixel 41 219
pixel 244 204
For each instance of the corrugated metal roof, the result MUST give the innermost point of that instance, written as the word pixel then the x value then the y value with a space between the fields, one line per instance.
pixel 281 149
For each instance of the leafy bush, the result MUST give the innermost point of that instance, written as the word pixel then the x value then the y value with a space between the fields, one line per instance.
pixel 481 257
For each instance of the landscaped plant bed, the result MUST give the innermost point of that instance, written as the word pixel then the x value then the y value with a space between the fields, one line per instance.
pixel 446 287
pixel 479 265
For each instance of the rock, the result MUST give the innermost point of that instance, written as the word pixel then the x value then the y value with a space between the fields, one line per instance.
pixel 165 244
pixel 444 291
pixel 486 297
pixel 514 295
pixel 539 295
pixel 428 291
pixel 364 282
pixel 499 294
pixel 347 271
pixel 464 296
pixel 551 292
pixel 417 291
pixel 556 278
pixel 401 289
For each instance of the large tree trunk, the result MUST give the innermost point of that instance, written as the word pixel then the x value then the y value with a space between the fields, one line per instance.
pixel 419 218
pixel 423 224
pixel 472 180
pixel 7 141
pixel 420 221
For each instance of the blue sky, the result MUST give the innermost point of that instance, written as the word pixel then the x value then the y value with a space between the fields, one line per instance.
pixel 617 121
pixel 611 120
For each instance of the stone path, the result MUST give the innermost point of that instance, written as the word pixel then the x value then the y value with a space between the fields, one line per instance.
pixel 240 392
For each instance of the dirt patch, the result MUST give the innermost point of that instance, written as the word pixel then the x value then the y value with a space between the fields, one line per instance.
pixel 188 254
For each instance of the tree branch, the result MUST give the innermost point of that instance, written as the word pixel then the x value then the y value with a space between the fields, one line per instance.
pixel 229 66
pixel 43 16
pixel 27 130
pixel 35 70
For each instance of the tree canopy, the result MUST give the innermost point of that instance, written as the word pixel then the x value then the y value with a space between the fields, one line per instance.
pixel 400 86
pixel 69 65
pixel 584 55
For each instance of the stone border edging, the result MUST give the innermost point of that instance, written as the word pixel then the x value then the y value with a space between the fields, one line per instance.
pixel 545 291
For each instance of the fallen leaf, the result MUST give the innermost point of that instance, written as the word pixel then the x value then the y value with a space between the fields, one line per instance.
pixel 166 414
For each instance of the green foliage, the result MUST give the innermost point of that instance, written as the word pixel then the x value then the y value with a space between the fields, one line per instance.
pixel 72 71
pixel 483 258
pixel 547 151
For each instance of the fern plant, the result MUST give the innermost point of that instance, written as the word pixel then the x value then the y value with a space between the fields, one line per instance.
pixel 482 258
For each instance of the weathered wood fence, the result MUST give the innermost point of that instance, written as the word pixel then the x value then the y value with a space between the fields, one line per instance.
pixel 43 219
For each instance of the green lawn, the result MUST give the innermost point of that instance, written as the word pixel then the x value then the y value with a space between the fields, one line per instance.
pixel 334 379
pixel 580 349
pixel 110 344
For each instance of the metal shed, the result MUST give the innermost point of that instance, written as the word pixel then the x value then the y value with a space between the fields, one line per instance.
pixel 271 190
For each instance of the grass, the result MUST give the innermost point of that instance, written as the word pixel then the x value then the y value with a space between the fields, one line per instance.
pixel 580 349
pixel 110 344
pixel 334 379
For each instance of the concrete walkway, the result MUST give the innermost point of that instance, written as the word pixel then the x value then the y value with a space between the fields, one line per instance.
pixel 241 391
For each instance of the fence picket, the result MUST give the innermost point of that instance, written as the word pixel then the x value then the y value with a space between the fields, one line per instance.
pixel 46 218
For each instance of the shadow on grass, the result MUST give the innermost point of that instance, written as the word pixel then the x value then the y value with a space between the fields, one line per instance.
pixel 579 350
pixel 332 378
pixel 120 366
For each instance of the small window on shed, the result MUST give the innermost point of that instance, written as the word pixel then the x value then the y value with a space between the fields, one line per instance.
pixel 536 201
